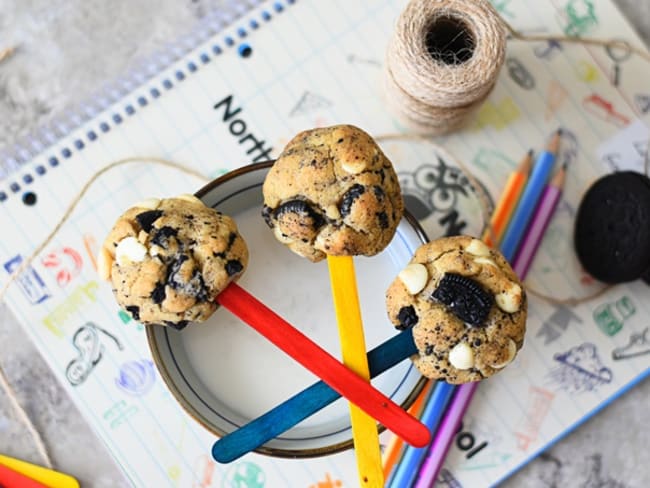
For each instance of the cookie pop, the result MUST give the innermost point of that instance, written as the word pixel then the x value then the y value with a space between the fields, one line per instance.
pixel 463 314
pixel 332 192
pixel 171 261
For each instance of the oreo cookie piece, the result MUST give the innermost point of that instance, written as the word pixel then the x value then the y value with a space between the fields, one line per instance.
pixel 465 298
pixel 612 228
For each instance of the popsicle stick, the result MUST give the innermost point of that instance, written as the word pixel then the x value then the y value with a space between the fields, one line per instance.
pixel 48 477
pixel 13 479
pixel 353 348
pixel 313 357
pixel 306 403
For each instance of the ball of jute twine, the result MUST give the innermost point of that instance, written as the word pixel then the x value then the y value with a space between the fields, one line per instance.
pixel 444 59
pixel 442 62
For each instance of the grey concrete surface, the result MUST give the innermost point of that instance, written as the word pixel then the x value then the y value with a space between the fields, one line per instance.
pixel 57 64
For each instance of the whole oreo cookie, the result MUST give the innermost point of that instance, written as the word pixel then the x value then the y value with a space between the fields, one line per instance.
pixel 612 229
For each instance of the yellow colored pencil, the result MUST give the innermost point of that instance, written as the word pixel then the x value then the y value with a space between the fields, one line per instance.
pixel 393 450
pixel 508 201
pixel 353 348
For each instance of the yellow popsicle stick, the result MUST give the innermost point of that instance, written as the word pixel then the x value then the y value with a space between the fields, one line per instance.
pixel 48 477
pixel 353 348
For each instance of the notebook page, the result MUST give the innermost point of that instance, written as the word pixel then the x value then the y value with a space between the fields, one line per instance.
pixel 311 64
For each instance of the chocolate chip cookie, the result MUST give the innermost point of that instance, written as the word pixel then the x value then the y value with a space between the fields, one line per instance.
pixel 466 306
pixel 333 191
pixel 168 260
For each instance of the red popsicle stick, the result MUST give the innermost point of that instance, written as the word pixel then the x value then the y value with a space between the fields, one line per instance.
pixel 12 479
pixel 324 365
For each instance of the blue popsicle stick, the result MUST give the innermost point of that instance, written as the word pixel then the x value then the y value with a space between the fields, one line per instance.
pixel 306 403
pixel 529 198
pixel 405 471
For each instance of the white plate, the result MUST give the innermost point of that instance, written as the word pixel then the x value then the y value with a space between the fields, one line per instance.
pixel 225 374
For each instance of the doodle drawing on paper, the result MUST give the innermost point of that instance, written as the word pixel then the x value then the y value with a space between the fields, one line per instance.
pixel 136 377
pixel 638 345
pixel 30 283
pixel 89 352
pixel 580 369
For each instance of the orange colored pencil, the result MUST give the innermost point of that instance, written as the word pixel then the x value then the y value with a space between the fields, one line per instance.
pixel 509 198
pixel 394 448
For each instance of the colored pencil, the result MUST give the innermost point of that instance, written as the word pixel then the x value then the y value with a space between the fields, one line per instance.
pixel 539 176
pixel 392 452
pixel 508 201
pixel 353 348
pixel 321 363
pixel 406 471
pixel 506 206
pixel 448 427
pixel 13 479
pixel 542 217
pixel 45 476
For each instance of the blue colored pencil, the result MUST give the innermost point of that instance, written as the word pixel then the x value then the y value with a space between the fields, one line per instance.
pixel 537 180
pixel 406 470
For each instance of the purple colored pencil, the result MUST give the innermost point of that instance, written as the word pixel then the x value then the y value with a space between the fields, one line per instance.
pixel 542 217
pixel 446 432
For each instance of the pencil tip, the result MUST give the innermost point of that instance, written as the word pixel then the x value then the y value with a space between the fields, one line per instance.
pixel 530 152
pixel 559 131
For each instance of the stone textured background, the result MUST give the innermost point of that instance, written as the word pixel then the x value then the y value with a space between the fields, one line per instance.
pixel 58 63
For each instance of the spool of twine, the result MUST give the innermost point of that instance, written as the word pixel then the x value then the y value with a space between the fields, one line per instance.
pixel 442 62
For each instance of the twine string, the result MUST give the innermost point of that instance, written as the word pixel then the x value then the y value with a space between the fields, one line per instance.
pixel 4 381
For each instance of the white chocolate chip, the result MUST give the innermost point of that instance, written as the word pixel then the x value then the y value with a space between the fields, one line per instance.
pixel 487 261
pixel 104 263
pixel 510 299
pixel 149 203
pixel 129 249
pixel 512 350
pixel 477 248
pixel 461 356
pixel 281 237
pixel 332 212
pixel 414 277
pixel 188 197
pixel 353 167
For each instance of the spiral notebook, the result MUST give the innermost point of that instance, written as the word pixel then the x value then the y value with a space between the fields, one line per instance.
pixel 237 97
